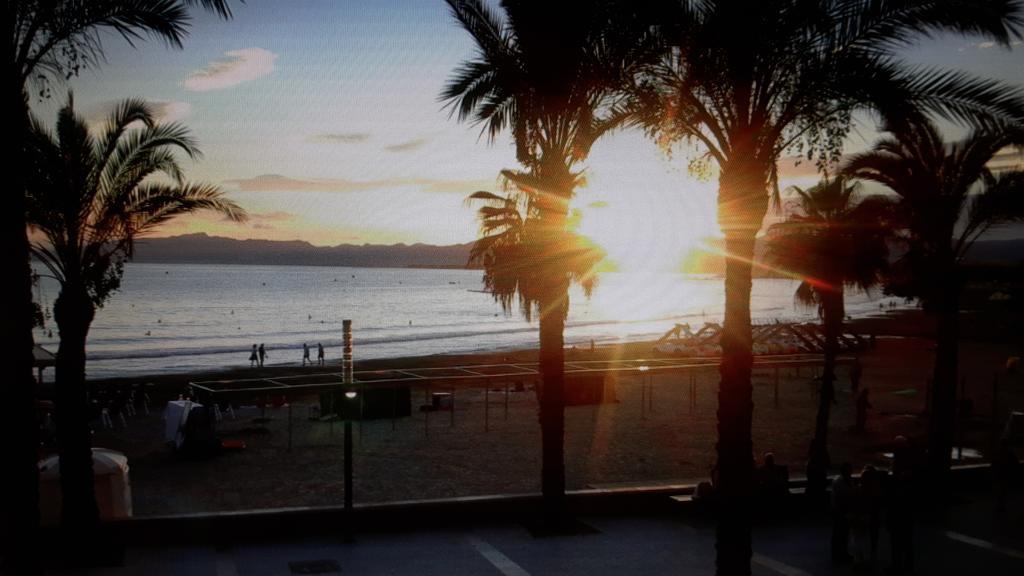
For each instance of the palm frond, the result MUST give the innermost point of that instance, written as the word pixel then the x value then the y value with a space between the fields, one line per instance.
pixel 1001 201
pixel 958 96
pixel 89 221
pixel 221 7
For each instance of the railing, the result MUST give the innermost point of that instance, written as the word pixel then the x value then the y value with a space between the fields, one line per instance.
pixel 460 432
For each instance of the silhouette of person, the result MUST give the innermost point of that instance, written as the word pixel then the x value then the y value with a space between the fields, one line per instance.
pixel 263 354
pixel 863 404
pixel 1005 468
pixel 818 463
pixel 254 357
pixel 773 480
pixel 842 499
pixel 856 371
pixel 869 504
pixel 901 500
pixel 320 353
pixel 305 354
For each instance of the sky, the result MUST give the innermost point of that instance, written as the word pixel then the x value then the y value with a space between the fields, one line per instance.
pixel 322 120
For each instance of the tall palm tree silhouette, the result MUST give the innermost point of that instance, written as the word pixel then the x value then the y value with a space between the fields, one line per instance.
pixel 948 197
pixel 543 75
pixel 831 240
pixel 746 82
pixel 519 259
pixel 50 40
pixel 90 198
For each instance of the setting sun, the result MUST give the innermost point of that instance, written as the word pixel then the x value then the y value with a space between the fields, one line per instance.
pixel 644 208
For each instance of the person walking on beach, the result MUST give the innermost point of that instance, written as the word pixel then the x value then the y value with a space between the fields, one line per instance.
pixel 253 358
pixel 305 354
pixel 319 354
pixel 263 354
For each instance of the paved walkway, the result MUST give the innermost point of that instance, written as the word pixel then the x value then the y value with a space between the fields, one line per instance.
pixel 970 542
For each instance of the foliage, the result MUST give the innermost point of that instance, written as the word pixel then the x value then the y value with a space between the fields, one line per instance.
pixel 57 39
pixel 542 74
pixel 833 239
pixel 802 69
pixel 90 197
pixel 523 261
pixel 948 195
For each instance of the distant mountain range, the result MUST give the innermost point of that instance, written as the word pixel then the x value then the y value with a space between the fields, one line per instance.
pixel 204 249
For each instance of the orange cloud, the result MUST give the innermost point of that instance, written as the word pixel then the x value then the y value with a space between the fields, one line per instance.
pixel 281 183
pixel 340 138
pixel 407 146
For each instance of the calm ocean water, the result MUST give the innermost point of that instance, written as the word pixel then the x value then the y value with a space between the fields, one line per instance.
pixel 185 317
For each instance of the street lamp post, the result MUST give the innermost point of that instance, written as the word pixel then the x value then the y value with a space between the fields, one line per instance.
pixel 350 394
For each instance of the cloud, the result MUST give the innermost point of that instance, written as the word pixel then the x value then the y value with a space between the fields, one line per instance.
pixel 340 138
pixel 280 183
pixel 278 216
pixel 408 146
pixel 262 220
pixel 96 115
pixel 989 44
pixel 238 67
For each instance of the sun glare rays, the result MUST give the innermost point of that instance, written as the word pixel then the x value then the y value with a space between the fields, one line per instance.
pixel 642 208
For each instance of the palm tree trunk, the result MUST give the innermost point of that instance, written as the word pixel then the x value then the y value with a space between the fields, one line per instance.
pixel 817 466
pixel 20 430
pixel 73 312
pixel 552 406
pixel 942 419
pixel 735 411
pixel 742 204
pixel 553 206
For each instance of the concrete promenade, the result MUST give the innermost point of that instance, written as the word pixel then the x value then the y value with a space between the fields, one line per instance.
pixel 970 540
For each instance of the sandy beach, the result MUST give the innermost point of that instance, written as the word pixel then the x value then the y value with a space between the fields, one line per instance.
pixel 489 447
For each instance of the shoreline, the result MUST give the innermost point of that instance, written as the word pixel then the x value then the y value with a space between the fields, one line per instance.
pixel 893 323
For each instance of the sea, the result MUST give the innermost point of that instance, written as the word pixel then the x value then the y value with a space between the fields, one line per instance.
pixel 180 318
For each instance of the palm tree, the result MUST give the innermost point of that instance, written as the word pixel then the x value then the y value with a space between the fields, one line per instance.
pixel 948 197
pixel 831 241
pixel 529 262
pixel 747 82
pixel 542 74
pixel 89 198
pixel 522 264
pixel 50 40
pixel 515 252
